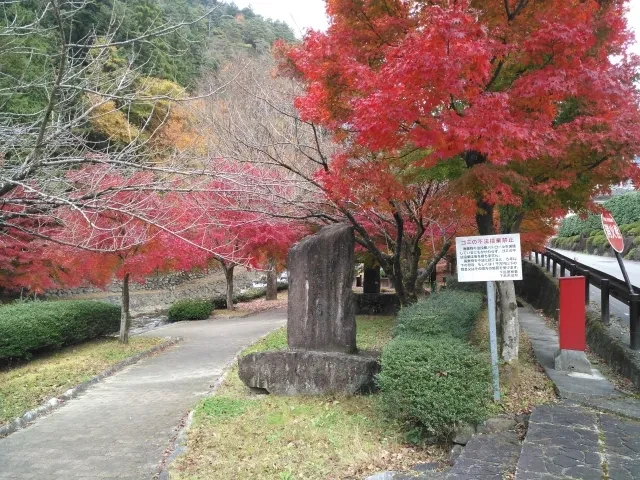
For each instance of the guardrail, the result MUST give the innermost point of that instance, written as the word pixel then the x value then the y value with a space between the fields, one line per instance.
pixel 559 265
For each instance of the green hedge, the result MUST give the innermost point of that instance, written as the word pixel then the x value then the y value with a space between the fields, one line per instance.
pixel 431 379
pixel 433 384
pixel 450 312
pixel 454 284
pixel 190 309
pixel 624 208
pixel 574 225
pixel 27 328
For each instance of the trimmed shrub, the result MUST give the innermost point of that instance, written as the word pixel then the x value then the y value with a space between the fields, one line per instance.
pixel 27 328
pixel 450 312
pixel 598 239
pixel 431 379
pixel 632 229
pixel 433 384
pixel 624 208
pixel 190 309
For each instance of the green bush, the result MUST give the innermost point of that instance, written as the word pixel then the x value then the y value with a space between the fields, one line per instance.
pixel 431 379
pixel 454 284
pixel 631 230
pixel 433 384
pixel 567 243
pixel 624 208
pixel 597 240
pixel 27 328
pixel 575 226
pixel 190 309
pixel 450 312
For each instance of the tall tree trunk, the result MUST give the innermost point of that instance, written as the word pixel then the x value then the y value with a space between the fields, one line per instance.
pixel 228 274
pixel 426 274
pixel 508 306
pixel 272 281
pixel 398 285
pixel 125 317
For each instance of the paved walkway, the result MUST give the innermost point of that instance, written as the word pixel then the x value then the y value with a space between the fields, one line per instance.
pixel 121 427
pixel 579 437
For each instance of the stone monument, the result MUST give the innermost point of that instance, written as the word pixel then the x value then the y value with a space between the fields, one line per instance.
pixel 321 327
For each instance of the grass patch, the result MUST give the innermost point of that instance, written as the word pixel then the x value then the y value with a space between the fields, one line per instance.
pixel 26 386
pixel 524 387
pixel 238 435
pixel 372 333
pixel 276 340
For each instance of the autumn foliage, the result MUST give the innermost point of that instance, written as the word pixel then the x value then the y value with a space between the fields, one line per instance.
pixel 536 97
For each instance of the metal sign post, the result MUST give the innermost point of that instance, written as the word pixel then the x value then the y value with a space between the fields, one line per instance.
pixel 493 339
pixel 490 258
pixel 616 240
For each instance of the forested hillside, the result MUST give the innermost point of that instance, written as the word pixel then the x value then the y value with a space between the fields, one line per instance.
pixel 100 140
pixel 181 55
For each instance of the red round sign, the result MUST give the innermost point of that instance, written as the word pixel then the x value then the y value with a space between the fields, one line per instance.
pixel 612 232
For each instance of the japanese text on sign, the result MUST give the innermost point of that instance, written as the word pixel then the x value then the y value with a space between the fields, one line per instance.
pixel 489 258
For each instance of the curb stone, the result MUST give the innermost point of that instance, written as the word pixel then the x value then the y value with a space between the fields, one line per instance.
pixel 54 403
pixel 177 445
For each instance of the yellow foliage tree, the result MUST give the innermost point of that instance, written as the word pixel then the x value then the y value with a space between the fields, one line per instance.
pixel 111 122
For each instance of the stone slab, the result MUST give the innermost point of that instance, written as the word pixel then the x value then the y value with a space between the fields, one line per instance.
pixel 321 310
pixel 562 442
pixel 622 447
pixel 572 361
pixel 371 280
pixel 487 457
pixel 303 372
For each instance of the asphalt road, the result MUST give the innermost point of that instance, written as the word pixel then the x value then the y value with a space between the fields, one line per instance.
pixel 618 310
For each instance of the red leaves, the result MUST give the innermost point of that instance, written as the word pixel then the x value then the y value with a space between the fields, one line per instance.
pixel 533 89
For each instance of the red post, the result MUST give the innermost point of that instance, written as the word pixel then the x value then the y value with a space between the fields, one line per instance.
pixel 572 313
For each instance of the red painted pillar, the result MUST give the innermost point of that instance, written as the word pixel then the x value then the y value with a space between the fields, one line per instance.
pixel 572 320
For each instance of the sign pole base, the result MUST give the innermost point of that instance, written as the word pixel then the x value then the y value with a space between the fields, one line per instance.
pixel 493 340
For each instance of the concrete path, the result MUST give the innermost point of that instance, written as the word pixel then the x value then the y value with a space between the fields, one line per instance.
pixel 578 438
pixel 121 427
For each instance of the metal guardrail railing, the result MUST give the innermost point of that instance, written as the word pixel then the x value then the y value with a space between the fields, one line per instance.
pixel 559 265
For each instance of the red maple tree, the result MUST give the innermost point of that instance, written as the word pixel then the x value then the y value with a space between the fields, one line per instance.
pixel 535 98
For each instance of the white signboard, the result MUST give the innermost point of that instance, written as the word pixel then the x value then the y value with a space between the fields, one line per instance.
pixel 489 258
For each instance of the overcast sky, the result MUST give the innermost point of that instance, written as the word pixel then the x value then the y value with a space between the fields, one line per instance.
pixel 305 14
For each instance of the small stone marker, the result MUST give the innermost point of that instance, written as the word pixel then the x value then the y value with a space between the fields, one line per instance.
pixel 321 313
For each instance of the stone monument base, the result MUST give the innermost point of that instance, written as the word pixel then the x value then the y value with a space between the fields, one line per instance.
pixel 308 372
pixel 572 361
